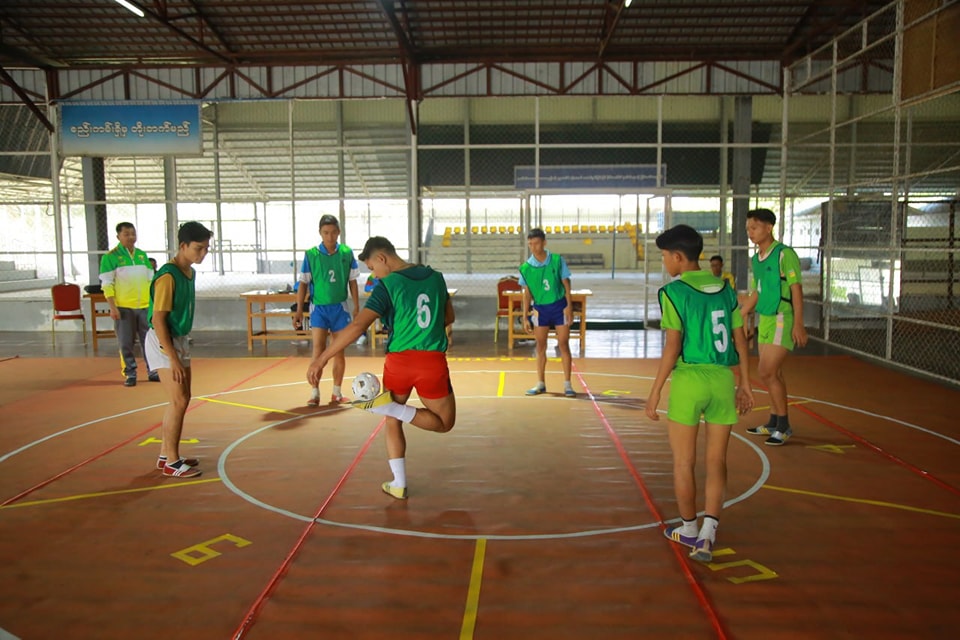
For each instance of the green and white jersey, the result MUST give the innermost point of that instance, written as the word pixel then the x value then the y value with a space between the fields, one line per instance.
pixel 330 273
pixel 126 276
pixel 704 309
pixel 412 305
pixel 545 281
pixel 180 320
pixel 772 276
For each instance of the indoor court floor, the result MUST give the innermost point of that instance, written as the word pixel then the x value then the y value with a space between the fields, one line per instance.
pixel 533 518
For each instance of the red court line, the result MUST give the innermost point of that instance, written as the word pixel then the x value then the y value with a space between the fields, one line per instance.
pixel 869 445
pixel 877 449
pixel 251 618
pixel 698 589
pixel 40 485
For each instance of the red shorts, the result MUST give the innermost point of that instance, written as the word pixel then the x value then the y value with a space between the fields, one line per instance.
pixel 425 371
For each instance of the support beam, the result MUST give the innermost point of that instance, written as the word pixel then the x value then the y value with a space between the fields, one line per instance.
pixel 95 213
pixel 742 137
pixel 17 89
pixel 612 11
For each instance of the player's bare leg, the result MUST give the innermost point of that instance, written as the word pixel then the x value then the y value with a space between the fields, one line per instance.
pixel 171 428
pixel 540 333
pixel 319 344
pixel 339 367
pixel 563 345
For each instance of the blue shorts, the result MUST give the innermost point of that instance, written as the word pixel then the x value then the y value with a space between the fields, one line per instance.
pixel 550 315
pixel 332 317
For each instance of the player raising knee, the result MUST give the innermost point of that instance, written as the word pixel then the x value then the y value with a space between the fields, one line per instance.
pixel 413 304
pixel 704 339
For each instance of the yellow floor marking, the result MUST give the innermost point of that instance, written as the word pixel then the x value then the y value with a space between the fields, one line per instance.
pixel 503 377
pixel 876 503
pixel 159 441
pixel 766 407
pixel 250 406
pixel 473 592
pixel 84 496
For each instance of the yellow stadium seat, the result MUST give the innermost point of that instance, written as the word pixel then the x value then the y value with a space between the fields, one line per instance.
pixel 475 230
pixel 446 241
pixel 483 229
pixel 566 229
pixel 456 229
pixel 511 229
pixel 575 228
pixel 447 232
pixel 593 228
pixel 620 228
pixel 501 230
pixel 602 228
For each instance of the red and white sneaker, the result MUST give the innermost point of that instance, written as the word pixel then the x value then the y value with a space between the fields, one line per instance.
pixel 335 399
pixel 314 401
pixel 182 470
pixel 190 462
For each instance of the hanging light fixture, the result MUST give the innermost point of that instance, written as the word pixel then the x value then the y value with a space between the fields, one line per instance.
pixel 129 6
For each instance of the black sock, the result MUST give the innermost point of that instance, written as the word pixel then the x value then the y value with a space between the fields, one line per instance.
pixel 772 422
pixel 783 423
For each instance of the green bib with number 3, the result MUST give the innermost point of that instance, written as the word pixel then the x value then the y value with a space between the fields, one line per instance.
pixel 544 283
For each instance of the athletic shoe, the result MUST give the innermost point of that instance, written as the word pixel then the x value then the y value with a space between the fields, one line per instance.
pixel 537 390
pixel 570 393
pixel 400 493
pixel 673 533
pixel 183 471
pixel 130 382
pixel 702 550
pixel 190 462
pixel 379 401
pixel 778 437
pixel 335 399
pixel 153 376
pixel 314 401
pixel 762 430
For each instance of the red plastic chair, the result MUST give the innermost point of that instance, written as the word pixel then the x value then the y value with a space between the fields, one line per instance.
pixel 66 306
pixel 508 283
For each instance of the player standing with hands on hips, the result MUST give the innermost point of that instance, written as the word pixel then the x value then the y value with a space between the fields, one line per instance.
pixel 413 303
pixel 704 339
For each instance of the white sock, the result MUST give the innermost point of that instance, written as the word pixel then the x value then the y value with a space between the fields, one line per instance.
pixel 541 385
pixel 709 529
pixel 336 390
pixel 314 392
pixel 402 412
pixel 399 468
pixel 688 528
pixel 567 385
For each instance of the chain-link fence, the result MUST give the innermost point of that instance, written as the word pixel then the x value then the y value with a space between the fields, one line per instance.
pixel 879 181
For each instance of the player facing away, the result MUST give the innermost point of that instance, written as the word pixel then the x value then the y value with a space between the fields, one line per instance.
pixel 413 304
pixel 777 296
pixel 545 279
pixel 172 302
pixel 704 339
pixel 333 271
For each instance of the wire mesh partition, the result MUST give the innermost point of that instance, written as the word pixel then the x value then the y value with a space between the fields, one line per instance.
pixel 877 197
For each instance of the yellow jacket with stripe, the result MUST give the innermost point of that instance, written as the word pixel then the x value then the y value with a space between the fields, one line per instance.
pixel 126 276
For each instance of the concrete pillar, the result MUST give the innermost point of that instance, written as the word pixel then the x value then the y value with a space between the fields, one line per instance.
pixel 99 237
pixel 740 183
pixel 170 200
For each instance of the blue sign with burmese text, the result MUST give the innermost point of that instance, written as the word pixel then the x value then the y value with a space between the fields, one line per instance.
pixel 130 129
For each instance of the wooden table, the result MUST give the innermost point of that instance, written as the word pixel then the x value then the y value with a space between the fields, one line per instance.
pixel 99 312
pixel 257 307
pixel 578 328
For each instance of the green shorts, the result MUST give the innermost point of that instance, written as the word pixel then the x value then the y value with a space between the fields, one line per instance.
pixel 702 390
pixel 776 330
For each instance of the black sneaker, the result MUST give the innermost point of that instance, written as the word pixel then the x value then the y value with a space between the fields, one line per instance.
pixel 153 376
pixel 130 382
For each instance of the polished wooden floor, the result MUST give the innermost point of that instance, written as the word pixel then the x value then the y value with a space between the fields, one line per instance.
pixel 534 518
